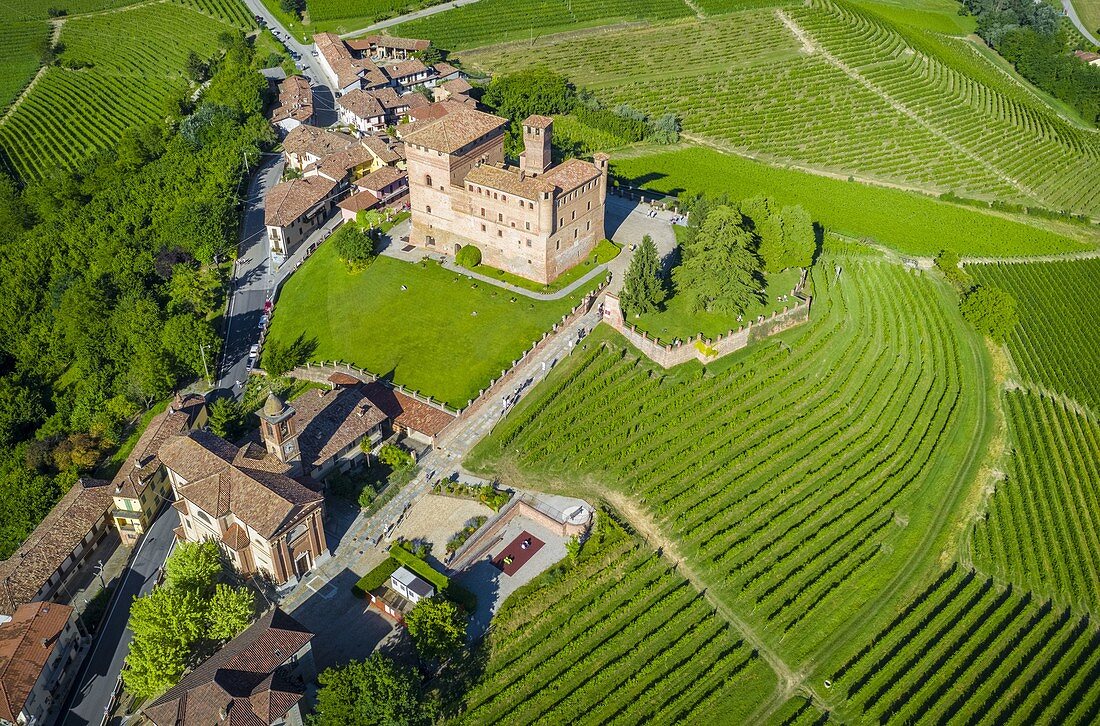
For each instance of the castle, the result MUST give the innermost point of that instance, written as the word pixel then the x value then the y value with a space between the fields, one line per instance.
pixel 535 220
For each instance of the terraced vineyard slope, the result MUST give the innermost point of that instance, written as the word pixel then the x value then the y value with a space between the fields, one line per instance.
pixel 966 650
pixel 1056 341
pixel 803 482
pixel 833 87
pixel 617 638
pixel 135 60
pixel 1042 529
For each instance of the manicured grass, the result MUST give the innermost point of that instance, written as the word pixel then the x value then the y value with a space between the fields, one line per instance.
pixel 426 338
pixel 677 320
pixel 807 485
pixel 906 221
pixel 1089 12
pixel 601 254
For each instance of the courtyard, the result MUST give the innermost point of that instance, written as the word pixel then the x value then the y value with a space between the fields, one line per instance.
pixel 436 519
pixel 424 327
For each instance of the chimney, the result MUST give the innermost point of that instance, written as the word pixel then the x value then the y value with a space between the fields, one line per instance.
pixel 522 174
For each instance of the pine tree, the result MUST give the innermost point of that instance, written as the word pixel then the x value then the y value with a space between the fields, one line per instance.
pixel 799 238
pixel 723 273
pixel 643 289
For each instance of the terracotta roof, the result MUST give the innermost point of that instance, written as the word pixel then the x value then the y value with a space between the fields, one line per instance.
pixel 337 166
pixel 407 412
pixel 362 103
pixel 445 69
pixel 327 421
pixel 367 42
pixel 456 86
pixel 30 567
pixel 348 68
pixel 243 683
pixel 143 461
pixel 455 129
pixel 384 152
pixel 538 122
pixel 235 537
pixel 288 201
pixel 381 178
pixel 509 180
pixel 307 139
pixel 343 379
pixel 359 201
pixel 295 100
pixel 404 69
pixel 571 174
pixel 1087 56
pixel 26 643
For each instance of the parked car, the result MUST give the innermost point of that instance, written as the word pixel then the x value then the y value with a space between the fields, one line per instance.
pixel 253 355
pixel 268 305
pixel 314 53
pixel 263 322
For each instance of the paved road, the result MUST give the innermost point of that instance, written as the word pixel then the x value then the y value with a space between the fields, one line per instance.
pixel 409 16
pixel 1072 13
pixel 96 680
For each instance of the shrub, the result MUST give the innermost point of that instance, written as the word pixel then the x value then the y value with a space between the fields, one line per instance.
pixel 395 457
pixel 990 310
pixel 375 578
pixel 421 568
pixel 355 247
pixel 468 256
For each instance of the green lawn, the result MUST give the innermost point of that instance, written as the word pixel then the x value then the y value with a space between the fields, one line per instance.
pixel 677 320
pixel 426 338
pixel 909 222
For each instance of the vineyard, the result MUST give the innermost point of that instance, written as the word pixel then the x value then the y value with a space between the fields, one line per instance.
pixel 368 11
pixel 1042 530
pixel 1055 342
pixel 850 95
pixel 618 638
pixel 134 62
pixel 20 57
pixel 497 21
pixel 966 650
pixel 798 479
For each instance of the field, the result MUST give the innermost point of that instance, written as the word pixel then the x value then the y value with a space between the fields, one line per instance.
pixel 802 481
pixel 849 93
pixel 619 638
pixel 1056 343
pixel 966 650
pixel 20 59
pixel 906 221
pixel 428 337
pixel 1041 531
pixel 497 21
pixel 136 58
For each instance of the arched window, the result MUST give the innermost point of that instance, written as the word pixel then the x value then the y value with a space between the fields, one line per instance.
pixel 428 179
pixel 296 532
pixel 428 208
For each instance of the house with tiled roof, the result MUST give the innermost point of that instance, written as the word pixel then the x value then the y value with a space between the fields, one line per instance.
pixel 60 547
pixel 388 47
pixel 457 89
pixel 295 104
pixel 265 521
pixel 256 679
pixel 386 187
pixel 363 65
pixel 370 112
pixel 306 145
pixel 40 652
pixel 141 488
pixel 418 420
pixel 294 209
pixel 535 220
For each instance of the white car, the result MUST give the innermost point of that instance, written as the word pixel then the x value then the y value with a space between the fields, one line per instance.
pixel 253 354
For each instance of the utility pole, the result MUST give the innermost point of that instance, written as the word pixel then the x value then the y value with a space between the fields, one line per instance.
pixel 205 370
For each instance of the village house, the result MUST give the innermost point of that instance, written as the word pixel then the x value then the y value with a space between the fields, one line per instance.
pixel 141 488
pixel 371 112
pixel 60 548
pixel 457 89
pixel 256 679
pixel 356 65
pixel 294 209
pixel 40 652
pixel 388 47
pixel 384 151
pixel 1093 59
pixel 307 145
pixel 400 595
pixel 386 187
pixel 295 104
pixel 535 220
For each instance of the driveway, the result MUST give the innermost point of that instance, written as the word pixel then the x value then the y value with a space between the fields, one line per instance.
pixel 95 682
pixel 626 222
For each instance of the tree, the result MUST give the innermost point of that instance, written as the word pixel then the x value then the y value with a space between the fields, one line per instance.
pixel 468 256
pixel 229 611
pixel 643 288
pixel 665 129
pixel 368 692
pixel 395 457
pixel 354 246
pixel 990 310
pixel 194 289
pixel 799 237
pixel 197 69
pixel 191 344
pixel 226 418
pixel 280 359
pixel 523 93
pixel 194 567
pixel 369 219
pixel 436 627
pixel 166 624
pixel 947 262
pixel 723 272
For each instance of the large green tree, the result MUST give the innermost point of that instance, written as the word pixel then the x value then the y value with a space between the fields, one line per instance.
pixel 229 611
pixel 194 567
pixel 167 623
pixel 991 310
pixel 722 274
pixel 375 691
pixel 437 628
pixel 643 289
pixel 354 246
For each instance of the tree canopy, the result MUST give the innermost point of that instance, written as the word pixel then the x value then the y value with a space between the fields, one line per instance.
pixel 354 246
pixel 643 289
pixel 370 692
pixel 437 628
pixel 991 310
pixel 721 270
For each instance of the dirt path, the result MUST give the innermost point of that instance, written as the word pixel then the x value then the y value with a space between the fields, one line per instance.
pixel 695 9
pixel 808 46
pixel 1065 257
pixel 900 107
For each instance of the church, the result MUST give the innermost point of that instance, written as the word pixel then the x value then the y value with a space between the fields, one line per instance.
pixel 535 220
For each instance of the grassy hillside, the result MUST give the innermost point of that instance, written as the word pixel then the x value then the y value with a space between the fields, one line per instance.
pixel 837 87
pixel 130 61
pixel 906 221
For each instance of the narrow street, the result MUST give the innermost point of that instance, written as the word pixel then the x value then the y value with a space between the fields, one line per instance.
pixel 95 682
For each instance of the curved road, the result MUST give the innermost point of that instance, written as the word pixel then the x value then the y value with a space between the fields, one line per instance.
pixel 1071 12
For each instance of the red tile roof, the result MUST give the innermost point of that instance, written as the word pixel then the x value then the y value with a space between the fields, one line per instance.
pixel 178 418
pixel 571 174
pixel 381 178
pixel 26 643
pixel 288 201
pixel 243 683
pixel 327 421
pixel 295 100
pixel 455 129
pixel 359 201
pixel 407 412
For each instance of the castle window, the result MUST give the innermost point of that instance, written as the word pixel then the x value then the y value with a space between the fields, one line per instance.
pixel 528 243
pixel 588 225
pixel 428 208
pixel 483 211
pixel 483 228
pixel 500 217
pixel 513 225
pixel 575 233
pixel 574 214
pixel 561 222
pixel 500 233
pixel 428 179
pixel 530 205
pixel 521 204
pixel 496 196
pixel 504 197
pixel 469 187
pixel 557 245
pixel 528 225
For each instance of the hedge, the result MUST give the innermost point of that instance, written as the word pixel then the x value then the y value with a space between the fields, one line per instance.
pixel 375 578
pixel 420 567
